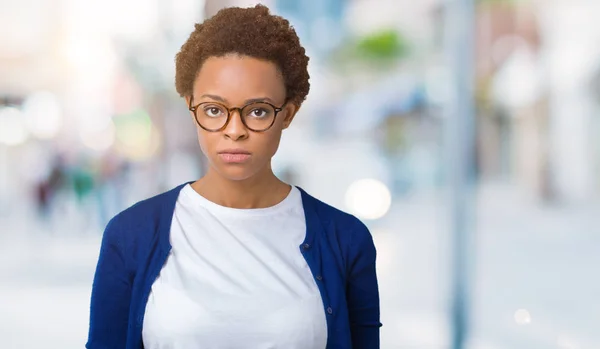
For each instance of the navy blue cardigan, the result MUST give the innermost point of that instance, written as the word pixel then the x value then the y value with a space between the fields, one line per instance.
pixel 338 249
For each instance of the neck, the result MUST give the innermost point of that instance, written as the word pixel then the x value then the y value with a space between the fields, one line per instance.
pixel 260 191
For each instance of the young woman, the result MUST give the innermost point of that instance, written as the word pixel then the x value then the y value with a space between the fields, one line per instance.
pixel 238 258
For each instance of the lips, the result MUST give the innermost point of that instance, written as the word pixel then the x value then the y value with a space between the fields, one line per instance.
pixel 234 156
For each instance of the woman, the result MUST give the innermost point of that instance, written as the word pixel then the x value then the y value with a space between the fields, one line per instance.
pixel 238 258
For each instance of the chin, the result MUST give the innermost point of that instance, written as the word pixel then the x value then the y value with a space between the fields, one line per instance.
pixel 236 173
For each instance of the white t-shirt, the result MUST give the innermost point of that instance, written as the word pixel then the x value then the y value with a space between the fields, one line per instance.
pixel 235 279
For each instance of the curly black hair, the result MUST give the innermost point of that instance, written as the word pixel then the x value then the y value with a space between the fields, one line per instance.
pixel 252 32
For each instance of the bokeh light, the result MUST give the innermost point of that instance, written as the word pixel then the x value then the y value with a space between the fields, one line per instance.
pixel 368 198
pixel 136 137
pixel 99 140
pixel 12 127
pixel 43 115
pixel 522 317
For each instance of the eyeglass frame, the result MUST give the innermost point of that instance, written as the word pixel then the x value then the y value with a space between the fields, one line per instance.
pixel 194 110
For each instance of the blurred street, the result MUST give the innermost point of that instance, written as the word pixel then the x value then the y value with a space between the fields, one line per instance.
pixel 90 123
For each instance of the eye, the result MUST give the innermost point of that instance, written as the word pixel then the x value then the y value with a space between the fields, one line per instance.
pixel 213 111
pixel 259 113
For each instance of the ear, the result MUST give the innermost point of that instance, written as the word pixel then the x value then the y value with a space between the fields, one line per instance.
pixel 290 111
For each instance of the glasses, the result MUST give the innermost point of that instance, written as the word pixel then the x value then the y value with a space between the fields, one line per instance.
pixel 214 117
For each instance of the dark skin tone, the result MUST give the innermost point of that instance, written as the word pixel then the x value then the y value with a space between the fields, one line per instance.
pixel 233 80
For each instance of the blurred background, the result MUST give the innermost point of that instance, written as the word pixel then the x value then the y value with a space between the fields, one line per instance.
pixel 90 123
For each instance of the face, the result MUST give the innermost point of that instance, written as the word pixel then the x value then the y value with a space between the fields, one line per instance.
pixel 236 152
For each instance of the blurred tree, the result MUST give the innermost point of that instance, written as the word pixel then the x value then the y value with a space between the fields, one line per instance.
pixel 384 45
pixel 376 52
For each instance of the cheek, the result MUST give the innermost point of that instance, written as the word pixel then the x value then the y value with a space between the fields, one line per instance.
pixel 203 140
pixel 272 142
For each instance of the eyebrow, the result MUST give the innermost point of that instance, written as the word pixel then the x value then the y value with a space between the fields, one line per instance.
pixel 248 101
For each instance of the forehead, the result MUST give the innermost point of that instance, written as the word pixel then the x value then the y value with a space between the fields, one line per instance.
pixel 238 78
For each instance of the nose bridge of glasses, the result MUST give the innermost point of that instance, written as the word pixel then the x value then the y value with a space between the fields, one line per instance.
pixel 231 116
pixel 238 109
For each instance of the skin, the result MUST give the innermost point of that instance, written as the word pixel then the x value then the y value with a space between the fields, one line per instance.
pixel 235 79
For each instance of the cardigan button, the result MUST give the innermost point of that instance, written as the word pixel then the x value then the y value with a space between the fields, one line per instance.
pixel 319 277
pixel 329 310
pixel 306 246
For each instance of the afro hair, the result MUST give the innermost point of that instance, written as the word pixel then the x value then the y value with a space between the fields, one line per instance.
pixel 252 32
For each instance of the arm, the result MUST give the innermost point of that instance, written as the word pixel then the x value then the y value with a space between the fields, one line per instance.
pixel 111 294
pixel 362 291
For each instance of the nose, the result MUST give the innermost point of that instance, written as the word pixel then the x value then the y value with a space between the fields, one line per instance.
pixel 235 129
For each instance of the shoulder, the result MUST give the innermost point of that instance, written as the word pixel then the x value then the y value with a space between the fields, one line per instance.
pixel 329 213
pixel 348 229
pixel 151 208
pixel 144 215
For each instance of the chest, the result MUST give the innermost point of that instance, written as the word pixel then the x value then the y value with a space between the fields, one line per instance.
pixel 234 284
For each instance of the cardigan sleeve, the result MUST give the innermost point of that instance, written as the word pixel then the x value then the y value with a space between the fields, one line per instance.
pixel 362 291
pixel 111 293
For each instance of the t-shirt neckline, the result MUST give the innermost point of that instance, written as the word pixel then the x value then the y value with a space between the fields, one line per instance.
pixel 198 200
